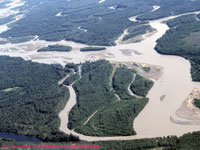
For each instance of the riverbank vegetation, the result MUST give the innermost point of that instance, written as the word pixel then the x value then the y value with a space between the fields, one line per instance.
pixel 86 49
pixel 197 102
pixel 170 8
pixel 137 30
pixel 183 40
pixel 141 86
pixel 31 98
pixel 58 48
pixel 115 119
pixel 102 25
pixel 188 141
pixel 121 80
pixel 96 99
pixel 93 91
pixel 70 66
pixel 72 78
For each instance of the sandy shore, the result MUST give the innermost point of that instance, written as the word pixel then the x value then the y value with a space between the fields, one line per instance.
pixel 188 113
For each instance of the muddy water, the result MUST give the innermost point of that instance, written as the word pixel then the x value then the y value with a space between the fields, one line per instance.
pixel 175 83
pixel 154 120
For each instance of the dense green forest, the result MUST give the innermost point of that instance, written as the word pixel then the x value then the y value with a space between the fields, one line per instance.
pixel 31 98
pixel 93 91
pixel 141 86
pixel 170 7
pixel 103 123
pixel 85 49
pixel 72 78
pixel 58 48
pixel 185 19
pixel 183 40
pixel 102 24
pixel 137 30
pixel 70 66
pixel 188 141
pixel 121 80
pixel 96 96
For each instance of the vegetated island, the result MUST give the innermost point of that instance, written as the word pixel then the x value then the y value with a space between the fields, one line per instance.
pixel 197 102
pixel 96 96
pixel 86 49
pixel 135 33
pixel 30 99
pixel 58 48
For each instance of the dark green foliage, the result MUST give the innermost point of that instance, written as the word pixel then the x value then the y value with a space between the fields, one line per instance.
pixel 115 119
pixel 188 141
pixel 198 16
pixel 33 98
pixel 121 80
pixel 58 48
pixel 103 25
pixel 183 41
pixel 71 79
pixel 146 69
pixel 72 66
pixel 141 86
pixel 93 91
pixel 137 30
pixel 85 49
pixel 165 143
pixel 103 123
pixel 197 102
pixel 171 7
pixel 185 19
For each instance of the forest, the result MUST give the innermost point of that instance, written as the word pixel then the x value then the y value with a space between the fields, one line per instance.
pixel 102 24
pixel 183 40
pixel 137 30
pixel 141 86
pixel 31 98
pixel 189 141
pixel 86 49
pixel 58 48
pixel 93 91
pixel 96 96
pixel 170 8
pixel 121 80
pixel 71 79
pixel 197 102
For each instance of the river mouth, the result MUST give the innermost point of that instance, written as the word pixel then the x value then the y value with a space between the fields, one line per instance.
pixel 18 138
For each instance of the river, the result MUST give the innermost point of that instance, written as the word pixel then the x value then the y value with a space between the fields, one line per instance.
pixel 154 120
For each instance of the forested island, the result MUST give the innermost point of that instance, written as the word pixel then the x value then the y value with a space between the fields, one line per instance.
pixel 96 96
pixel 137 30
pixel 58 48
pixel 87 49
